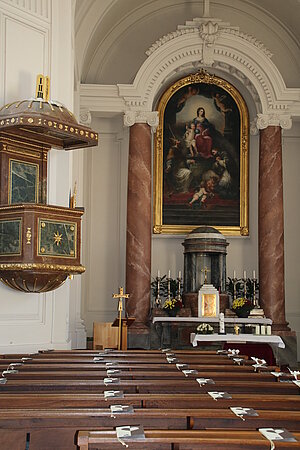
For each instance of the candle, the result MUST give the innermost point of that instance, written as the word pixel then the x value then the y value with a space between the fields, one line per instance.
pixel 253 274
pixel 158 273
pixel 179 274
pixel 169 274
pixel 234 274
pixel 245 275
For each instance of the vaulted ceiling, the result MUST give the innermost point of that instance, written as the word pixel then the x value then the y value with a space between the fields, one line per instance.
pixel 113 35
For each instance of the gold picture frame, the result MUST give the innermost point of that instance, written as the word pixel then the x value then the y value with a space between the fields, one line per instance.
pixel 217 150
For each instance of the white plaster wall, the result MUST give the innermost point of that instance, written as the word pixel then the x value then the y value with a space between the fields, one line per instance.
pixel 36 38
pixel 291 164
pixel 104 221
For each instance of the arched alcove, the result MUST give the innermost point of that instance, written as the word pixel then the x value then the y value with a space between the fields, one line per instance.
pixel 202 43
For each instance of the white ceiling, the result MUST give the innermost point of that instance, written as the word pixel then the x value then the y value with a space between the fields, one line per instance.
pixel 113 35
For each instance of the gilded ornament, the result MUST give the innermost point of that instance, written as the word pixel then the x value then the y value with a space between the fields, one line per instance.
pixel 42 249
pixel 57 238
pixel 60 126
pixel 28 235
pixel 71 129
pixel 43 224
pixel 81 132
pixel 72 228
pixel 30 120
pixel 50 123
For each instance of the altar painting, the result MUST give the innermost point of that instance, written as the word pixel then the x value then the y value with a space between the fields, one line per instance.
pixel 201 157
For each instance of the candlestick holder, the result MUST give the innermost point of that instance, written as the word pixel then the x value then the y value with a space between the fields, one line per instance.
pixel 157 303
pixel 257 310
pixel 234 282
pixel 178 296
pixel 244 279
pixel 169 288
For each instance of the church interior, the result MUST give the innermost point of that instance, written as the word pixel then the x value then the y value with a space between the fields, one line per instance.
pixel 148 224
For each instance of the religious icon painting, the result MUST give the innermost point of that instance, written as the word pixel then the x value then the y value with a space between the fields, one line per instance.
pixel 201 157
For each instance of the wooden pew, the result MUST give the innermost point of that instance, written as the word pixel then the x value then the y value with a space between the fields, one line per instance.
pixel 176 401
pixel 62 374
pixel 184 440
pixel 187 385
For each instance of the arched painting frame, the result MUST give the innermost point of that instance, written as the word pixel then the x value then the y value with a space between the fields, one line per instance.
pixel 201 158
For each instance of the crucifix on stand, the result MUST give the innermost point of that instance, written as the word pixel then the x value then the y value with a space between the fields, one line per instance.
pixel 122 322
pixel 205 270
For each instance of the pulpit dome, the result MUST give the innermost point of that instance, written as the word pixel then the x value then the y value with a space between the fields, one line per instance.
pixel 46 121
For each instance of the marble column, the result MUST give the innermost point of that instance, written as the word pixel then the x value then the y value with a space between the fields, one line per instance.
pixel 271 225
pixel 139 232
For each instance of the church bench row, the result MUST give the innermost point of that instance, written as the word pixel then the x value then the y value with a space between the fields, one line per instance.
pixel 188 440
pixel 176 401
pixel 181 419
pixel 137 375
pixel 145 385
pixel 91 400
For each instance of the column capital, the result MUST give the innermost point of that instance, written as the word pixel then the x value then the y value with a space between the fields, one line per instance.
pixel 149 117
pixel 85 117
pixel 274 119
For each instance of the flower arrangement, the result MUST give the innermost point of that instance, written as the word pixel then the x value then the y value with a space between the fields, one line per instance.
pixel 205 328
pixel 241 306
pixel 172 305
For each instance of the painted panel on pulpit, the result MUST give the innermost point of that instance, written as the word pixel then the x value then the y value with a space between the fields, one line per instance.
pixel 201 157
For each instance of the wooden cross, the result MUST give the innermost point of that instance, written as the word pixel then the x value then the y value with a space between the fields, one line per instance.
pixel 205 270
pixel 120 296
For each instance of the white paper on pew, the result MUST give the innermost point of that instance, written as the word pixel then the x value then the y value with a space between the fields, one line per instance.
pixel 295 373
pixel 277 434
pixel 164 350
pixel 24 359
pixel 203 381
pixel 238 360
pixel 113 372
pixel 9 371
pixel 121 409
pixel 182 366
pixel 108 381
pixel 276 374
pixel 112 363
pixel 16 364
pixel 188 372
pixel 219 395
pixel 233 352
pixel 3 380
pixel 222 352
pixel 241 412
pixel 172 360
pixel 297 383
pixel 172 355
pixel 113 394
pixel 98 359
pixel 262 362
pixel 135 433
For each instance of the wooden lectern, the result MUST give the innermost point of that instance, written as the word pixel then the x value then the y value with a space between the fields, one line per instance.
pixel 122 322
pixel 125 323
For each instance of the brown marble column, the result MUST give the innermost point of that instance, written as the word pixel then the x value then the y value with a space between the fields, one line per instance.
pixel 271 227
pixel 138 244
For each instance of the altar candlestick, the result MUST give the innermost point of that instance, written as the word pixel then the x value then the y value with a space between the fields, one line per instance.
pixel 158 274
pixel 234 274
pixel 245 275
pixel 179 274
pixel 253 274
pixel 169 274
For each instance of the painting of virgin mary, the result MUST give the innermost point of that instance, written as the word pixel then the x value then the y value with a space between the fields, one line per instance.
pixel 201 156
